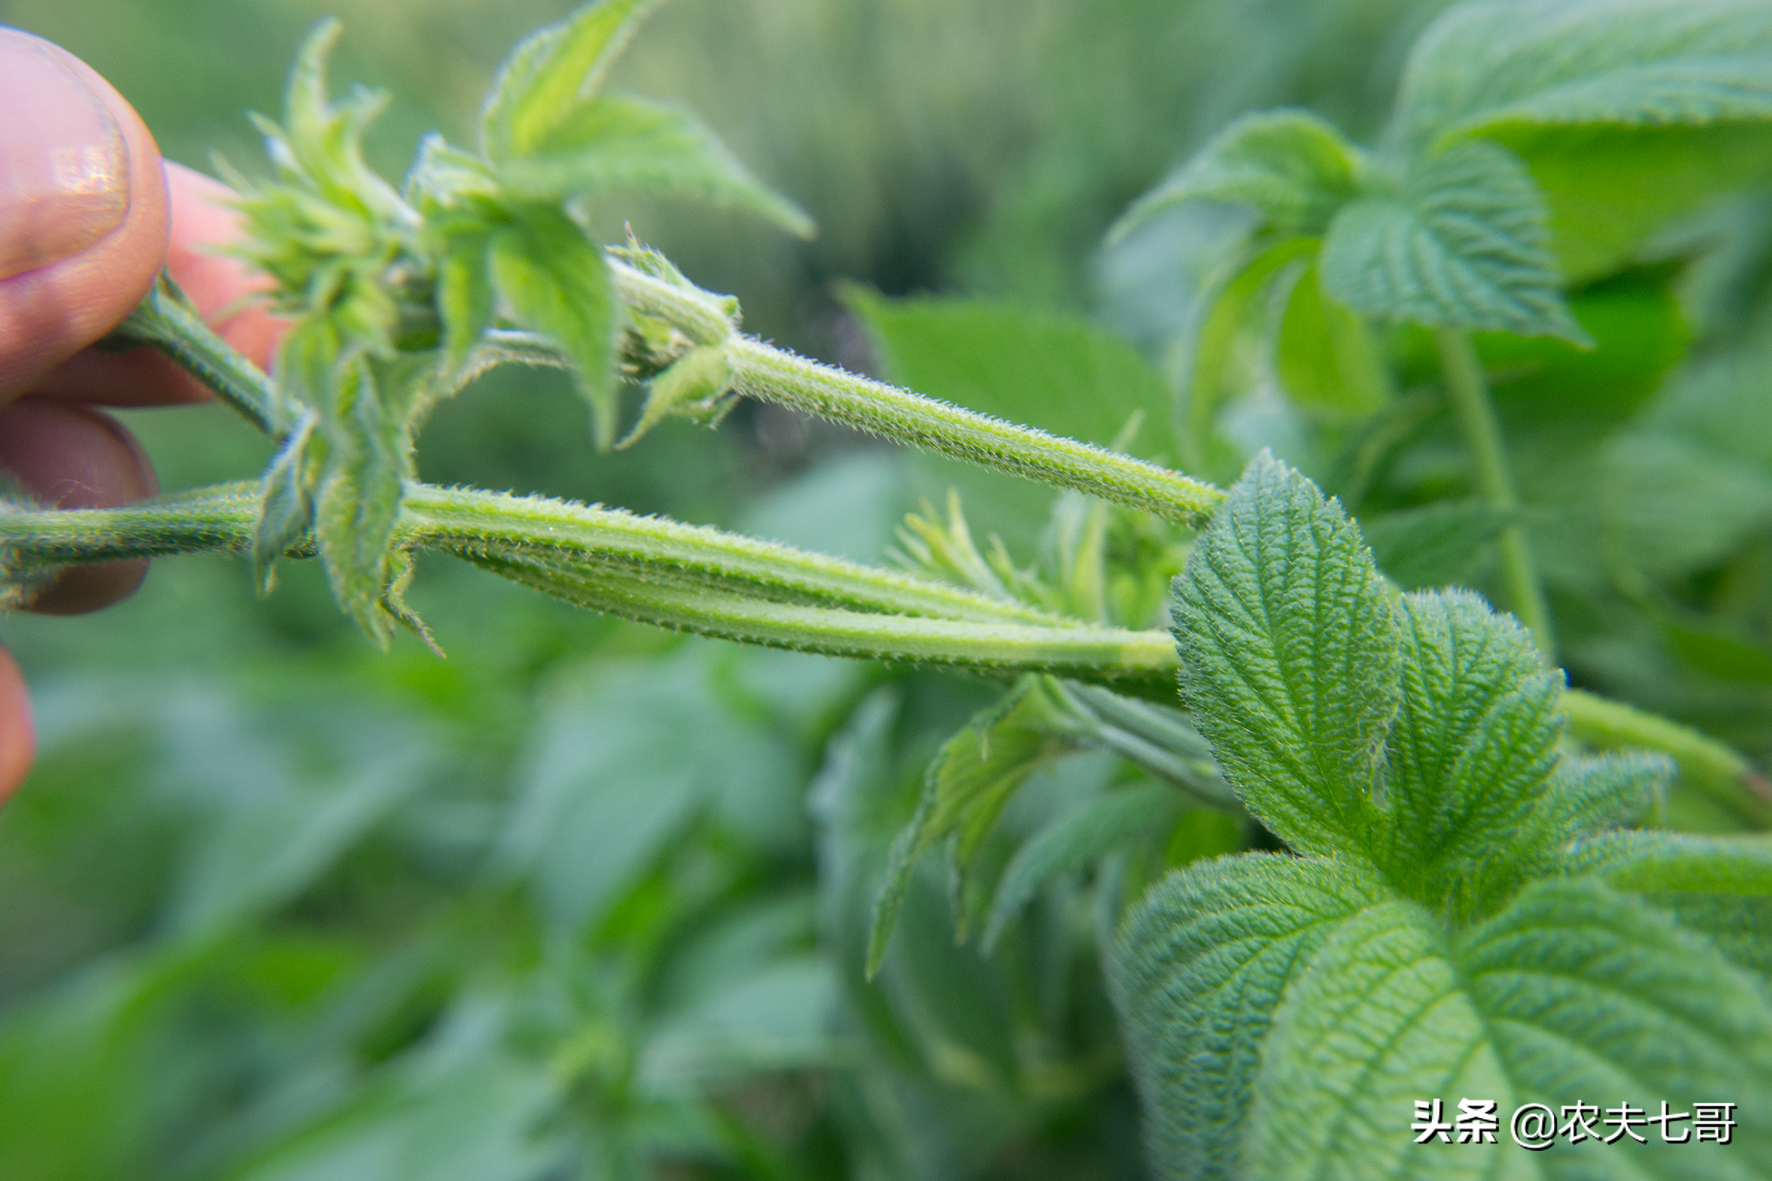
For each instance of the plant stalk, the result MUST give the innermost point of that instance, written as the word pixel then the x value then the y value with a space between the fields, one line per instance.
pixel 1718 771
pixel 164 320
pixel 1495 479
pixel 644 569
pixel 770 374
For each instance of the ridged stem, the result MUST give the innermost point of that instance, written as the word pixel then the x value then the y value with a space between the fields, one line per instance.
pixel 1495 479
pixel 770 374
pixel 645 569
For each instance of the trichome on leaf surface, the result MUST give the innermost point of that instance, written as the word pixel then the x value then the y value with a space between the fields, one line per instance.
pixel 1378 851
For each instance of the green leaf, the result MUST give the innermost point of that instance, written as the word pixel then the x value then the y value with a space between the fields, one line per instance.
pixel 1609 189
pixel 694 386
pixel 1434 544
pixel 1484 66
pixel 357 502
pixel 1375 1022
pixel 631 144
pixel 620 764
pixel 967 786
pixel 1291 658
pixel 1073 841
pixel 1294 167
pixel 1586 991
pixel 1590 795
pixel 1464 242
pixel 553 279
pixel 1226 352
pixel 1472 747
pixel 1049 370
pixel 553 72
pixel 286 504
pixel 1197 971
pixel 1327 357
pixel 464 297
pixel 1678 863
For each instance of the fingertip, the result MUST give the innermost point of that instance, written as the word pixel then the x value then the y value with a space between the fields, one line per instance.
pixel 51 310
pixel 18 735
pixel 75 457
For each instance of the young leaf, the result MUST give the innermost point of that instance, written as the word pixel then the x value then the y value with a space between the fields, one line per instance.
pixel 1463 243
pixel 1197 971
pixel 1291 658
pixel 1435 544
pixel 1073 841
pixel 1484 66
pixel 695 385
pixel 358 500
pixel 553 279
pixel 1225 352
pixel 967 786
pixel 286 505
pixel 1295 168
pixel 464 297
pixel 554 72
pixel 1678 863
pixel 621 142
pixel 1328 360
pixel 1472 745
pixel 1376 1021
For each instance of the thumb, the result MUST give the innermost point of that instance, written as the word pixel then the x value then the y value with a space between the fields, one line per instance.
pixel 83 208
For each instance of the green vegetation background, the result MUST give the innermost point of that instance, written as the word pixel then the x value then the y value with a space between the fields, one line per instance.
pixel 586 900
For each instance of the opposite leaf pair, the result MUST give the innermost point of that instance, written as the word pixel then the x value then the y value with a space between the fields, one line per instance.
pixel 1457 923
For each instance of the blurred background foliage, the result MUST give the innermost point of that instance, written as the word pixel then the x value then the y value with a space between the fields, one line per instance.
pixel 584 900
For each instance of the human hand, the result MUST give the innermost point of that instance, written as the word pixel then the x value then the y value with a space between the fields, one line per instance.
pixel 89 214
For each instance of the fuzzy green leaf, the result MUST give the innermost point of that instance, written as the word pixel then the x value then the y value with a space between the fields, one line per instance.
pixel 1328 360
pixel 358 500
pixel 286 504
pixel 464 297
pixel 695 385
pixel 1463 243
pixel 1294 167
pixel 1291 658
pixel 1435 544
pixel 1197 971
pixel 967 786
pixel 1376 1021
pixel 552 73
pixel 1472 745
pixel 1484 66
pixel 1682 863
pixel 1226 351
pixel 1589 992
pixel 553 279
pixel 1073 841
pixel 624 143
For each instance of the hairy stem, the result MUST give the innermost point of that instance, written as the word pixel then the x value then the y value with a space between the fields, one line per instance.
pixel 164 320
pixel 1495 479
pixel 1716 770
pixel 773 375
pixel 641 568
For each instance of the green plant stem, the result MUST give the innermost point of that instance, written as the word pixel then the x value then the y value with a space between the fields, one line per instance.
pixel 163 319
pixel 1495 478
pixel 1718 771
pixel 640 568
pixel 770 374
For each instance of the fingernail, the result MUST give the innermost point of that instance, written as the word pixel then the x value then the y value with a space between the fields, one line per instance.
pixel 64 166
